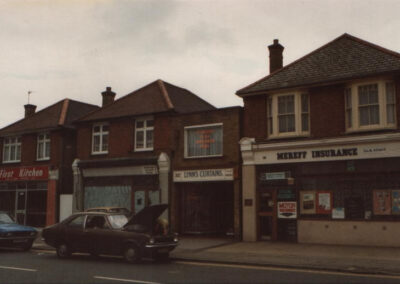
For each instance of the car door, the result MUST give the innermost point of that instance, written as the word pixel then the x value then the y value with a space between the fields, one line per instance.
pixel 101 236
pixel 75 234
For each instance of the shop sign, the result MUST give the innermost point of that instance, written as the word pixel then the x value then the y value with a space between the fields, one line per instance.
pixel 203 175
pixel 287 210
pixel 274 176
pixel 24 173
pixel 286 194
pixel 307 153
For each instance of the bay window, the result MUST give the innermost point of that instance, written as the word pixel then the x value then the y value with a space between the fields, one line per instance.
pixel 12 149
pixel 288 115
pixel 100 139
pixel 370 106
pixel 144 134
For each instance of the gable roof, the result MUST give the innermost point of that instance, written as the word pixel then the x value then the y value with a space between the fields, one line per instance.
pixel 60 114
pixel 346 57
pixel 156 97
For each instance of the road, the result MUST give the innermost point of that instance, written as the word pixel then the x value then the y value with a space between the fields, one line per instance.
pixel 45 267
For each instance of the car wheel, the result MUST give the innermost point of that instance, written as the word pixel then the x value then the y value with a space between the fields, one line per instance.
pixel 162 256
pixel 27 246
pixel 63 251
pixel 132 254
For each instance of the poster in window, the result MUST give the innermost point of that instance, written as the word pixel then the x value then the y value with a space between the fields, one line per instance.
pixel 382 202
pixel 307 202
pixel 338 213
pixel 395 201
pixel 324 202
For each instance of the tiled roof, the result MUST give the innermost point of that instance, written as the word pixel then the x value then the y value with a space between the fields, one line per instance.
pixel 346 57
pixel 59 114
pixel 156 97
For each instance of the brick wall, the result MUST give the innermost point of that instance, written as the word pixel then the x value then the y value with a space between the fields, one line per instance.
pixel 255 117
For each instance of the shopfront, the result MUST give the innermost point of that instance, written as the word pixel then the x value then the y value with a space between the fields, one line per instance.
pixel 333 191
pixel 24 194
pixel 206 201
pixel 124 182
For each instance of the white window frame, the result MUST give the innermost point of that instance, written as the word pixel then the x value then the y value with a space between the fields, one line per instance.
pixel 16 143
pixel 354 108
pixel 297 112
pixel 186 154
pixel 101 133
pixel 45 141
pixel 144 129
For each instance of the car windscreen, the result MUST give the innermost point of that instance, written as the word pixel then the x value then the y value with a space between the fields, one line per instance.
pixel 117 221
pixel 5 219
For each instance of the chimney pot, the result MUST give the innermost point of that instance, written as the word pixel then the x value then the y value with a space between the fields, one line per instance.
pixel 275 56
pixel 29 110
pixel 108 96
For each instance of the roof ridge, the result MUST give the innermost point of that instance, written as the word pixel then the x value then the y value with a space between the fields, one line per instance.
pixel 165 94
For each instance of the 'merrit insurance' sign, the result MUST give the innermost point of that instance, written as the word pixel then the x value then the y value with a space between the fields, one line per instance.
pixel 203 175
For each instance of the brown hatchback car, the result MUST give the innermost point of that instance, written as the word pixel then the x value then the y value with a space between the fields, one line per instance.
pixel 113 234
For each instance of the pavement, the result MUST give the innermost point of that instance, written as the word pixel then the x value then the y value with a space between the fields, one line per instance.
pixel 339 258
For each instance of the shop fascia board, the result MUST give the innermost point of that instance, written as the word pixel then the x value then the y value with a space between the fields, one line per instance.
pixel 250 148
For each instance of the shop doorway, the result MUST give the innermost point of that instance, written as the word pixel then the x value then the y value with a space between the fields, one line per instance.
pixel 20 206
pixel 267 215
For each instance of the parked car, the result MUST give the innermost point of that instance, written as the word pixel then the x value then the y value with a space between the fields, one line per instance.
pixel 14 235
pixel 110 209
pixel 111 233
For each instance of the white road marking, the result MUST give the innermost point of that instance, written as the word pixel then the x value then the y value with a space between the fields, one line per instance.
pixel 125 280
pixel 352 274
pixel 18 268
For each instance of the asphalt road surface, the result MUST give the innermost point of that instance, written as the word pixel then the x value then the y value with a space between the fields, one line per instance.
pixel 45 267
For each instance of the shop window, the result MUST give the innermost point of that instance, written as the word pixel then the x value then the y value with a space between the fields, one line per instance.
pixel 100 135
pixel 288 115
pixel 204 141
pixel 43 147
pixel 370 106
pixel 144 134
pixel 12 150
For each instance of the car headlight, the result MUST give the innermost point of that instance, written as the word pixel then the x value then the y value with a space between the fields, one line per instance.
pixel 151 241
pixel 176 239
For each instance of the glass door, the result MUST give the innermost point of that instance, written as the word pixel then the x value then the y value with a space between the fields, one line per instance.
pixel 20 206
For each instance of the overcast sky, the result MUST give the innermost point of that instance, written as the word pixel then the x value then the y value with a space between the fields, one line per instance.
pixel 74 49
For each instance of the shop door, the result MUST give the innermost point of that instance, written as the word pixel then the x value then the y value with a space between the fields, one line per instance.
pixel 20 206
pixel 267 218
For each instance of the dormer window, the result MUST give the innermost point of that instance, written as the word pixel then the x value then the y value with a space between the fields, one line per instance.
pixel 100 139
pixel 370 106
pixel 12 150
pixel 288 115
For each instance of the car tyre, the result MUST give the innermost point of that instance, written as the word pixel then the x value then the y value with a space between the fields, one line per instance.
pixel 63 250
pixel 132 253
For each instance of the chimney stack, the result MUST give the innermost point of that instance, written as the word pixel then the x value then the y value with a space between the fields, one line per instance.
pixel 275 56
pixel 108 96
pixel 29 110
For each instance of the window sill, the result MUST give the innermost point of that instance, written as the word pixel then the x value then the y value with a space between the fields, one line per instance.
pixel 204 157
pixel 43 160
pixel 99 153
pixel 143 150
pixel 11 162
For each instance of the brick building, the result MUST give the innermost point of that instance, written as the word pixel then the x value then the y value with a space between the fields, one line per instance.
pixel 125 148
pixel 321 151
pixel 36 160
pixel 206 189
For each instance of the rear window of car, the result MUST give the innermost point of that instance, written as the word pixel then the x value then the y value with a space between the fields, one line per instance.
pixel 77 221
pixel 117 221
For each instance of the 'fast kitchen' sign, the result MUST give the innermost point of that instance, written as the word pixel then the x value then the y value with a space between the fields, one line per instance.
pixel 24 173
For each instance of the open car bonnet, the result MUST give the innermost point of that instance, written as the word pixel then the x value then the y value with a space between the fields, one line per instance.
pixel 147 216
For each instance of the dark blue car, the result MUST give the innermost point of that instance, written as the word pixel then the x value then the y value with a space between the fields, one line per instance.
pixel 15 235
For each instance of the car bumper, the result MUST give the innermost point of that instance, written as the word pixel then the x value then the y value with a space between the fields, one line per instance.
pixel 16 241
pixel 157 248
